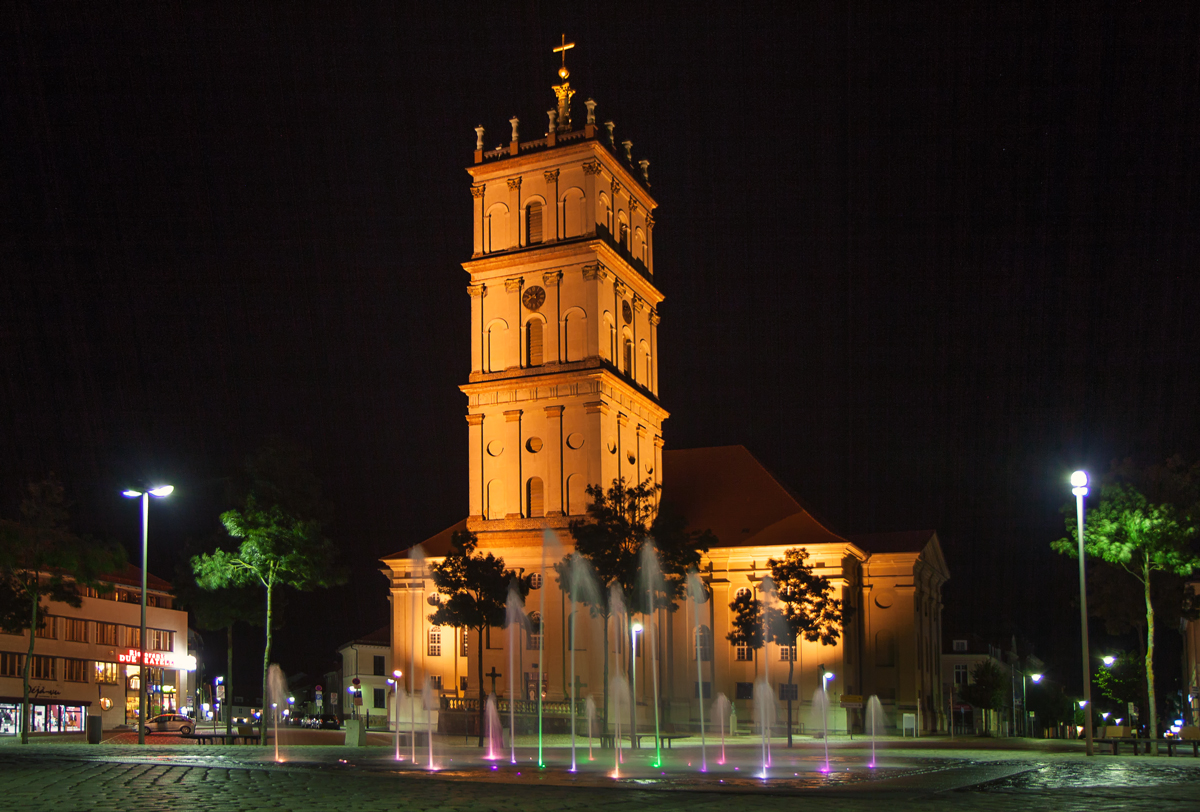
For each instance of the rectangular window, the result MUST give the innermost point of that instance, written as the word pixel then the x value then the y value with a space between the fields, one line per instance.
pixel 960 675
pixel 42 668
pixel 787 654
pixel 106 634
pixel 435 642
pixel 380 698
pixel 107 673
pixel 462 684
pixel 436 681
pixel 960 645
pixel 379 666
pixel 744 690
pixel 75 630
pixel 10 664
pixel 159 640
pixel 742 653
pixel 49 628
pixel 787 692
pixel 74 670
pixel 133 637
pixel 707 689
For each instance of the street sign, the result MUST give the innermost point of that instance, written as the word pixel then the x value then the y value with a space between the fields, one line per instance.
pixel 852 701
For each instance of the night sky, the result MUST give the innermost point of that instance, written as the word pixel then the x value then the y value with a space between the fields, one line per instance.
pixel 923 260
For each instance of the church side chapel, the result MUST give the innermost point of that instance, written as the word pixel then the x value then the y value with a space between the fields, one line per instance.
pixel 562 395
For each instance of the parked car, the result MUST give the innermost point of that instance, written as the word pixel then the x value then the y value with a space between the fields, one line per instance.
pixel 327 722
pixel 170 723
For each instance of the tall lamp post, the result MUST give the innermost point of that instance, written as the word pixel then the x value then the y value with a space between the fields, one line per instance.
pixel 634 628
pixel 394 681
pixel 145 494
pixel 1079 481
pixel 1036 678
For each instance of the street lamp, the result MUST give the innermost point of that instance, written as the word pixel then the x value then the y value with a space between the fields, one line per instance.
pixel 394 681
pixel 1108 660
pixel 1036 678
pixel 1079 481
pixel 145 494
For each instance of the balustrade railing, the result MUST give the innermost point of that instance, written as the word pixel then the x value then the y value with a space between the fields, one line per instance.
pixel 550 707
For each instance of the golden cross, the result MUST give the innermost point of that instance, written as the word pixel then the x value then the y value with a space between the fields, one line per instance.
pixel 563 48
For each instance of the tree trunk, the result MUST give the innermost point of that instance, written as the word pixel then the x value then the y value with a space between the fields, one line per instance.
pixel 262 720
pixel 1153 705
pixel 479 671
pixel 791 672
pixel 26 710
pixel 227 705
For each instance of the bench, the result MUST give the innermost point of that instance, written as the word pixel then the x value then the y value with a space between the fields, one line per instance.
pixel 1143 745
pixel 247 736
pixel 606 739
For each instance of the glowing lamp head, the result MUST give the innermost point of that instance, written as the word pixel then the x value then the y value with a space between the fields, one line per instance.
pixel 637 627
pixel 189 662
pixel 1079 479
pixel 162 490
pixel 131 494
pixel 828 675
pixel 397 673
pixel 1083 703
pixel 1036 678
pixel 1108 659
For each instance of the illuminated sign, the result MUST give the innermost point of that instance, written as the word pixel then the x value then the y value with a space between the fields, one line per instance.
pixel 154 659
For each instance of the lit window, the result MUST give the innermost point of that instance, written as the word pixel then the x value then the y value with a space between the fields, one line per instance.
pixel 960 645
pixel 463 648
pixel 107 673
pixel 535 581
pixel 435 641
pixel 534 640
pixel 787 654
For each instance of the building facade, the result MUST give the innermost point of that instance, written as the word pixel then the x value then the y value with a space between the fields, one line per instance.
pixel 562 394
pixel 85 660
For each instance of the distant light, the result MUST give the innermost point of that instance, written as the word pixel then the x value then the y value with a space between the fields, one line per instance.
pixel 162 490
pixel 1083 703
pixel 291 700
pixel 397 673
pixel 1079 479
pixel 637 627
pixel 1105 715
pixel 132 494
pixel 1119 720
pixel 1036 677
pixel 220 680
pixel 1108 660
pixel 828 675
pixel 1179 722
pixel 189 662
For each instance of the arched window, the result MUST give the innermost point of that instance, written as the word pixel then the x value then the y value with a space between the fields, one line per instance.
pixel 704 644
pixel 495 507
pixel 533 343
pixel 647 367
pixel 534 501
pixel 572 209
pixel 623 231
pixel 533 223
pixel 494 356
pixel 534 641
pixel 639 245
pixel 608 343
pixel 435 641
pixel 575 334
pixel 628 356
pixel 576 495
pixel 605 214
pixel 885 649
pixel 495 228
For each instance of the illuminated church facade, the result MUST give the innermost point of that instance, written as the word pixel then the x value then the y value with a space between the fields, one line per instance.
pixel 563 393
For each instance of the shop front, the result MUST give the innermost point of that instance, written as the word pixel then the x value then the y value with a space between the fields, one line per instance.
pixel 46 717
pixel 162 692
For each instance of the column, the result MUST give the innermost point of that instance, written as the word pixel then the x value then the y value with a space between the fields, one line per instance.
pixel 514 205
pixel 595 412
pixel 654 319
pixel 512 446
pixel 477 292
pixel 475 459
pixel 641 438
pixel 552 351
pixel 513 288
pixel 593 298
pixel 477 202
pixel 650 243
pixel 622 463
pixel 590 171
pixel 556 482
pixel 551 177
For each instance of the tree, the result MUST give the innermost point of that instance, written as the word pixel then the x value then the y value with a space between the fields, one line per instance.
pixel 1050 704
pixel 987 688
pixel 476 586
pixel 280 542
pixel 41 558
pixel 609 540
pixel 1144 536
pixel 1124 681
pixel 798 604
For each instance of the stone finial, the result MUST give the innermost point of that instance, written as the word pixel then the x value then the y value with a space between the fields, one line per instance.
pixel 552 115
pixel 608 125
pixel 514 121
pixel 590 104
pixel 479 137
pixel 628 145
pixel 645 165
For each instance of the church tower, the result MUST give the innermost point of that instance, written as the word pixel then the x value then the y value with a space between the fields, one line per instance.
pixel 563 388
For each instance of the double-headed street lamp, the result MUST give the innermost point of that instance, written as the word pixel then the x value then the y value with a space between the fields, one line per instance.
pixel 1079 481
pixel 634 628
pixel 394 681
pixel 145 494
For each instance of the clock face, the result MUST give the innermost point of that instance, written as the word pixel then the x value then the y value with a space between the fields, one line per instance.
pixel 533 298
pixel 626 312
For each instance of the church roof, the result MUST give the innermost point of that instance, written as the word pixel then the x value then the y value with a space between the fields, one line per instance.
pixel 436 545
pixel 725 489
pixel 908 541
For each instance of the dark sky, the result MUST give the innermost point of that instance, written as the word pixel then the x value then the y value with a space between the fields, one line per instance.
pixel 922 259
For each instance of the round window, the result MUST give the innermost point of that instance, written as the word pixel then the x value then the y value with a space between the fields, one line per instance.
pixel 885 598
pixel 534 444
pixel 575 440
pixel 611 445
pixel 626 312
pixel 495 448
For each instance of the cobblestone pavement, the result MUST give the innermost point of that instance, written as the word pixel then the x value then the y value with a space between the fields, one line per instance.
pixel 65 778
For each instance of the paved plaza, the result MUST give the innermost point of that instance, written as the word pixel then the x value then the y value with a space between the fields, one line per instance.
pixel 929 775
